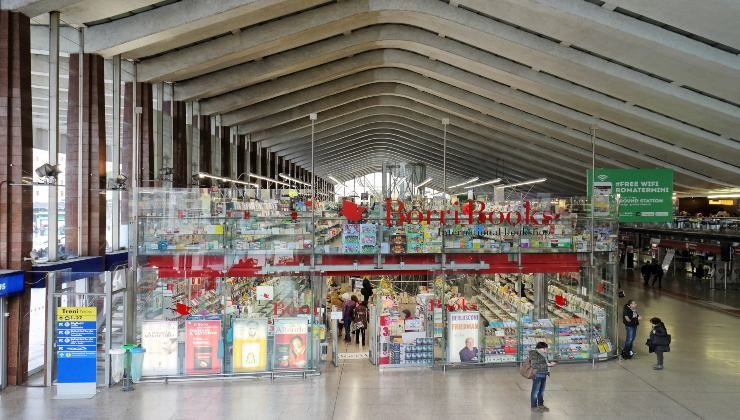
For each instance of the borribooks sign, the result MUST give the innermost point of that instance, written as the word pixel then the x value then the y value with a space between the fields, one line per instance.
pixel 646 195
pixel 469 212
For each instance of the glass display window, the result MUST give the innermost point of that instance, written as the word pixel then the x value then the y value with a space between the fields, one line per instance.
pixel 209 325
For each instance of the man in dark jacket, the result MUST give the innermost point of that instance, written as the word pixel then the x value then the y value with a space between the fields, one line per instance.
pixel 645 270
pixel 659 341
pixel 366 291
pixel 657 272
pixel 631 320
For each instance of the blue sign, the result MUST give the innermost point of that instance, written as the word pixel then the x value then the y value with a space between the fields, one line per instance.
pixel 12 283
pixel 76 345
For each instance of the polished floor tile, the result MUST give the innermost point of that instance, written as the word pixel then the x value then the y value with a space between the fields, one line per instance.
pixel 701 381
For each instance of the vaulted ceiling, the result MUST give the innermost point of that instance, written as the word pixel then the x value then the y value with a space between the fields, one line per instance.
pixel 522 82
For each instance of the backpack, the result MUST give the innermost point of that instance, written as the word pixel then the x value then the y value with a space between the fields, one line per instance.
pixel 526 369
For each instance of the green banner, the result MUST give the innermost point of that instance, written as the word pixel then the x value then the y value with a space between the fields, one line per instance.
pixel 646 195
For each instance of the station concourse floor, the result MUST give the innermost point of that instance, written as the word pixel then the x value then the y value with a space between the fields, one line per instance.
pixel 701 380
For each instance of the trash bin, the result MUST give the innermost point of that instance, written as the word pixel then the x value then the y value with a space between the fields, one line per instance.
pixel 127 362
pixel 137 362
pixel 117 361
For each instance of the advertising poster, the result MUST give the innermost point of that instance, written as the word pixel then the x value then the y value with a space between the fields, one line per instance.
pixel 159 339
pixel 646 195
pixel 250 345
pixel 202 337
pixel 291 343
pixel 76 349
pixel 463 333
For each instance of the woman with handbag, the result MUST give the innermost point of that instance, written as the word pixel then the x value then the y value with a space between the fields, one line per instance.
pixel 360 322
pixel 659 341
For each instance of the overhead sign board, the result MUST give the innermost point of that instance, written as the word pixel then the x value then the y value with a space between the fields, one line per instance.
pixel 646 195
pixel 11 283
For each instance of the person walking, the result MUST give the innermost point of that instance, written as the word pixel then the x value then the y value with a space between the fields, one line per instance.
pixel 361 318
pixel 366 291
pixel 659 341
pixel 347 312
pixel 645 270
pixel 657 272
pixel 631 320
pixel 541 366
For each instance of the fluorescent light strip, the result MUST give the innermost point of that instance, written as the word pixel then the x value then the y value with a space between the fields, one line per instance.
pixel 336 181
pixel 712 197
pixel 493 181
pixel 264 178
pixel 222 179
pixel 518 184
pixel 464 183
pixel 291 179
pixel 424 182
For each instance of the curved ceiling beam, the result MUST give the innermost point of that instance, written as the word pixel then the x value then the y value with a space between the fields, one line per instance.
pixel 406 154
pixel 452 83
pixel 479 31
pixel 476 106
pixel 416 40
pixel 299 133
pixel 463 150
pixel 621 38
pixel 471 167
pixel 182 23
pixel 395 105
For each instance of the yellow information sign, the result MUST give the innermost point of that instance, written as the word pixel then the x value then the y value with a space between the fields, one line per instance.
pixel 82 313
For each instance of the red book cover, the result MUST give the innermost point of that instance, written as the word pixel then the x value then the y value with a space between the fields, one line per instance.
pixel 201 347
pixel 291 343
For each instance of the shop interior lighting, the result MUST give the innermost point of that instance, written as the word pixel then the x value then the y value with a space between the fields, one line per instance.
pixel 424 182
pixel 723 196
pixel 493 181
pixel 473 179
pixel 264 178
pixel 223 179
pixel 519 184
pixel 291 179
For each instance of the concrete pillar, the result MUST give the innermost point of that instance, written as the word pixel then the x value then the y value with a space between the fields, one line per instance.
pixel 146 138
pixel 225 152
pixel 177 111
pixel 204 136
pixel 16 160
pixel 146 132
pixel 91 186
pixel 241 158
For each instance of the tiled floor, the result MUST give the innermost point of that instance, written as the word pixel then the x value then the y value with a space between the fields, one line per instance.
pixel 701 380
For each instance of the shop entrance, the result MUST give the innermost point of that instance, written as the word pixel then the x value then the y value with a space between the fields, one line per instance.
pixel 469 318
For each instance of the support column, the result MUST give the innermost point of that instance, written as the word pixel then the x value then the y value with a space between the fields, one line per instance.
pixel 16 161
pixel 92 134
pixel 241 157
pixel 146 132
pixel 204 139
pixel 146 139
pixel 176 109
pixel 225 140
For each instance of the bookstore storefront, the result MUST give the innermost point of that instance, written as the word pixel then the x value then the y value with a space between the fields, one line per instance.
pixel 233 283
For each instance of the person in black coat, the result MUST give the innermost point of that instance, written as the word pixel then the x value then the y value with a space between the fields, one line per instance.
pixel 659 341
pixel 646 270
pixel 366 291
pixel 657 271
